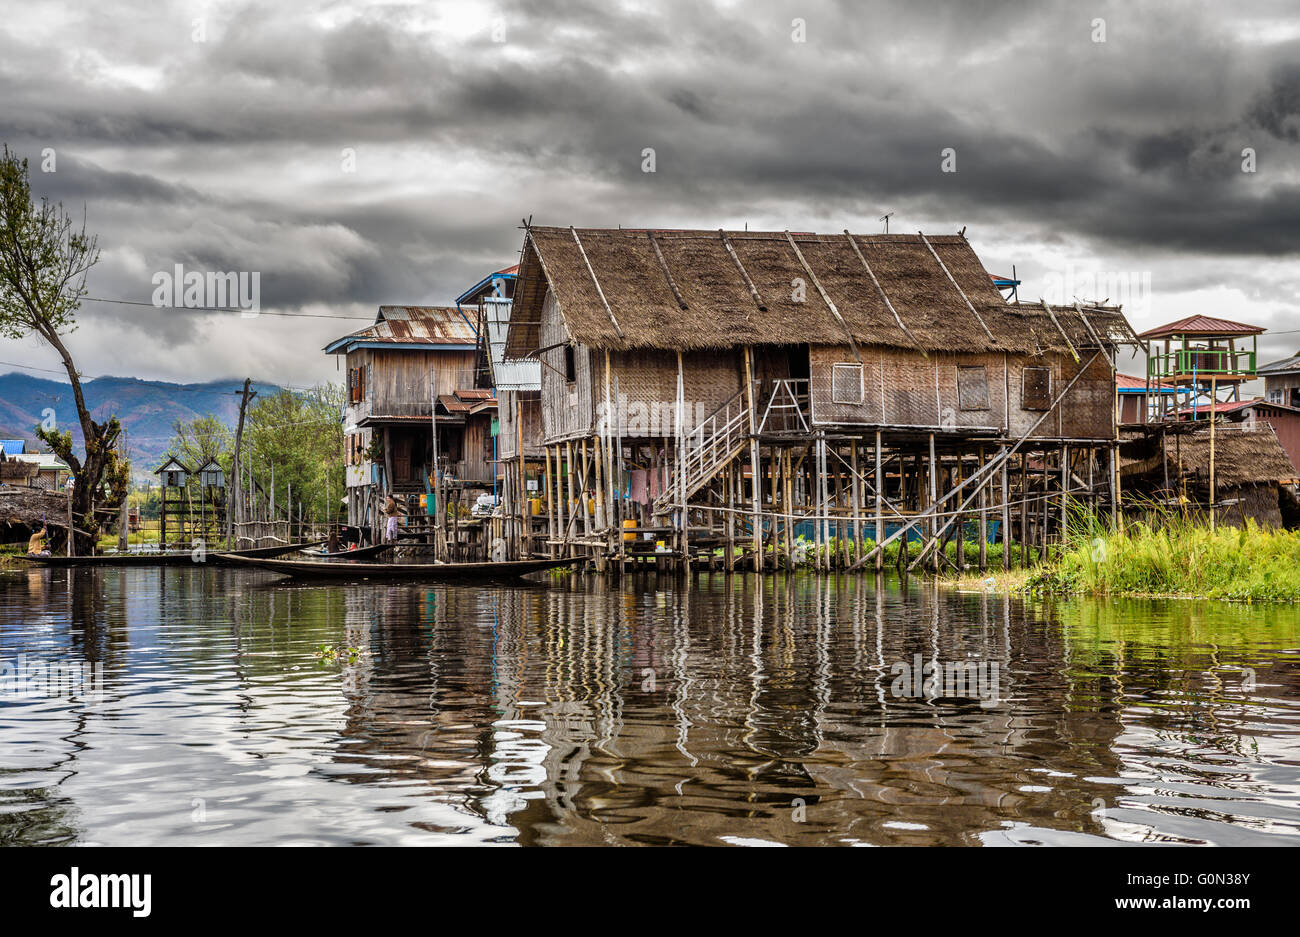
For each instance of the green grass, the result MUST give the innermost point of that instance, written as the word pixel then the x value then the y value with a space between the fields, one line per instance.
pixel 1170 555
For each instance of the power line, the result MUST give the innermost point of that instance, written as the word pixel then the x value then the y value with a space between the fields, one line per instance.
pixel 295 315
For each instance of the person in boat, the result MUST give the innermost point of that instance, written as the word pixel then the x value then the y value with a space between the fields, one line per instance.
pixel 36 546
pixel 392 512
pixel 332 544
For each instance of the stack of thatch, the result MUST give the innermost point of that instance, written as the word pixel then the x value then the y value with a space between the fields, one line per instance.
pixel 1244 454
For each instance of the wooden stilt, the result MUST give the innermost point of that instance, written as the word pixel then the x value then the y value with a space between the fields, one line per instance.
pixel 1065 495
pixel 880 502
pixel 1006 515
pixel 985 487
pixel 934 499
pixel 1024 509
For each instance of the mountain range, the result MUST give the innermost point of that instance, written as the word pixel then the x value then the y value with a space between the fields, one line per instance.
pixel 147 409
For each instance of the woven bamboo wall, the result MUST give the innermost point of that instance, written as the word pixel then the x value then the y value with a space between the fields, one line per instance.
pixel 1087 409
pixel 910 390
pixel 643 388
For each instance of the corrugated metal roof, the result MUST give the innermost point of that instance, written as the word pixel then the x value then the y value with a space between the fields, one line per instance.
pixel 414 325
pixel 1228 406
pixel 1130 382
pixel 11 446
pixel 1201 325
pixel 46 460
pixel 507 373
pixel 468 401
pixel 1280 367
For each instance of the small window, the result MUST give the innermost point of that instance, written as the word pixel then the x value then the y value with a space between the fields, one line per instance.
pixel 846 383
pixel 570 364
pixel 1036 388
pixel 972 387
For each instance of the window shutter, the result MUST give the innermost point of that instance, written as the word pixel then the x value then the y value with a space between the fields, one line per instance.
pixel 972 387
pixel 846 383
pixel 1036 388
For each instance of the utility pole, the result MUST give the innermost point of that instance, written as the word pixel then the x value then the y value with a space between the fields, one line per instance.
pixel 238 500
pixel 126 507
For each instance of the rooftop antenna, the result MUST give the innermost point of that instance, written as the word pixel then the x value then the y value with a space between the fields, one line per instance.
pixel 885 219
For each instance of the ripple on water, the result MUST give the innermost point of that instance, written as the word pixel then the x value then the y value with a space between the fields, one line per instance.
pixel 751 712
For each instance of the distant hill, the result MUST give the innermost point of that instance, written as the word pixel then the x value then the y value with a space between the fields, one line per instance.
pixel 146 408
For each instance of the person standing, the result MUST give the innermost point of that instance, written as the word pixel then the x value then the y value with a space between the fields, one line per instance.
pixel 391 511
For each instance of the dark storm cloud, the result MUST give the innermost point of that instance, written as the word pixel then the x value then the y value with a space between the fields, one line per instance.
pixel 226 154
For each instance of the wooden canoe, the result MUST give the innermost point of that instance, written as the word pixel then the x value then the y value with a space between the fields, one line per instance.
pixel 441 572
pixel 165 559
pixel 360 553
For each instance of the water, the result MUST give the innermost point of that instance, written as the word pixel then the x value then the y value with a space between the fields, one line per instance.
pixel 755 711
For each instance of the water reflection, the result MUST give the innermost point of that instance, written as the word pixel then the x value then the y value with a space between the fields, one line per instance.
pixel 742 710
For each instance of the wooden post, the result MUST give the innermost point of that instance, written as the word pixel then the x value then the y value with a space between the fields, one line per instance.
pixel 1065 494
pixel 755 480
pixel 602 516
pixel 880 501
pixel 684 517
pixel 1214 399
pixel 1024 509
pixel 985 487
pixel 583 472
pixel 550 502
pixel 1006 513
pixel 933 523
pixel 959 522
pixel 572 504
pixel 814 458
pixel 1042 514
pixel 787 507
pixel 1114 488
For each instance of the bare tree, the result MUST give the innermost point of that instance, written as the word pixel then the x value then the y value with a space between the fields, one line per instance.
pixel 44 260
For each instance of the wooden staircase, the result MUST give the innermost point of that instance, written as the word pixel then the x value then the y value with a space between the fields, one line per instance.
pixel 717 440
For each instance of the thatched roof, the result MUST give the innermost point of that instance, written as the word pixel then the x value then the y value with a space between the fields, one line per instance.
pixel 1244 454
pixel 625 289
pixel 32 506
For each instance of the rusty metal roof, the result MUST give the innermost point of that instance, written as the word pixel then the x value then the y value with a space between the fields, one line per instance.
pixel 411 325
pixel 1131 382
pixel 1201 325
pixel 468 401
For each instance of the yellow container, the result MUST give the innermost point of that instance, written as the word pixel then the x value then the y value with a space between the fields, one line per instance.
pixel 630 522
pixel 535 506
pixel 423 502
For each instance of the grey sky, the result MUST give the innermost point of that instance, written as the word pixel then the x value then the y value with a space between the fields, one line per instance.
pixel 1076 159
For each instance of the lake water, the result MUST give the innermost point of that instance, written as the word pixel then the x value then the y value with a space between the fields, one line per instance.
pixel 749 711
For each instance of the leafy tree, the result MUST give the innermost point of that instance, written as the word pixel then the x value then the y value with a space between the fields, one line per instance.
pixel 196 441
pixel 44 260
pixel 301 434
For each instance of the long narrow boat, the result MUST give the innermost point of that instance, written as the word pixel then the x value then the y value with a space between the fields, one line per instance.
pixel 185 558
pixel 426 571
pixel 360 553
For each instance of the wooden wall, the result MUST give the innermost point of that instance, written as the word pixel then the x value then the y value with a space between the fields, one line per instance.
pixel 902 388
pixel 567 409
pixel 397 381
pixel 647 384
pixel 530 405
